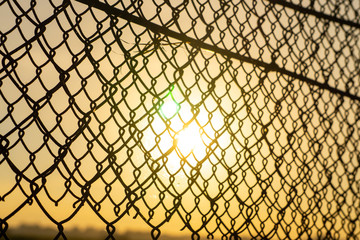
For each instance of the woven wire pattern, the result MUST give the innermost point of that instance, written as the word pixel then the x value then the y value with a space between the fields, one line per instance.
pixel 270 90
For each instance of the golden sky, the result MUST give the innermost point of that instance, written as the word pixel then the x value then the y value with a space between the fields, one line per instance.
pixel 151 129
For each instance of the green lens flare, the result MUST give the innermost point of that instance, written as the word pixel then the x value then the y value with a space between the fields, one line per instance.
pixel 169 108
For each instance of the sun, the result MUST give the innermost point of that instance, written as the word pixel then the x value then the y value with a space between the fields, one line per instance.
pixel 183 128
pixel 189 140
pixel 175 136
pixel 181 143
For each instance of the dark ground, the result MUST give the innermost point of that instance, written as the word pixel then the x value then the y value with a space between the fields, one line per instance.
pixel 34 232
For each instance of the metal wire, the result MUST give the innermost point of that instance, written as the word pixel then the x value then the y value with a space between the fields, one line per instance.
pixel 240 118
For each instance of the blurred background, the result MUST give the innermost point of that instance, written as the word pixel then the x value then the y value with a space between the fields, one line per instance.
pixel 178 120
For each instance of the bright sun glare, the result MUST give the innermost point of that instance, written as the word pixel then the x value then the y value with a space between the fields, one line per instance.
pixel 187 136
pixel 189 139
pixel 183 142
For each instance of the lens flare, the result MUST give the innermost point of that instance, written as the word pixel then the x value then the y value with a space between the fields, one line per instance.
pixel 169 108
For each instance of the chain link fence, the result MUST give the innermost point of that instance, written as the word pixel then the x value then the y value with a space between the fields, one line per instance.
pixel 240 119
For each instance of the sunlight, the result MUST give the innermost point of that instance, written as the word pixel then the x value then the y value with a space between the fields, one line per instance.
pixel 176 126
pixel 189 139
pixel 186 134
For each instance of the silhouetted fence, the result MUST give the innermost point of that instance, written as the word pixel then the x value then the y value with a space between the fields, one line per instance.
pixel 234 119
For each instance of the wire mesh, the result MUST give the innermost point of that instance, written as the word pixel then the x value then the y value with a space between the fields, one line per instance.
pixel 240 118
